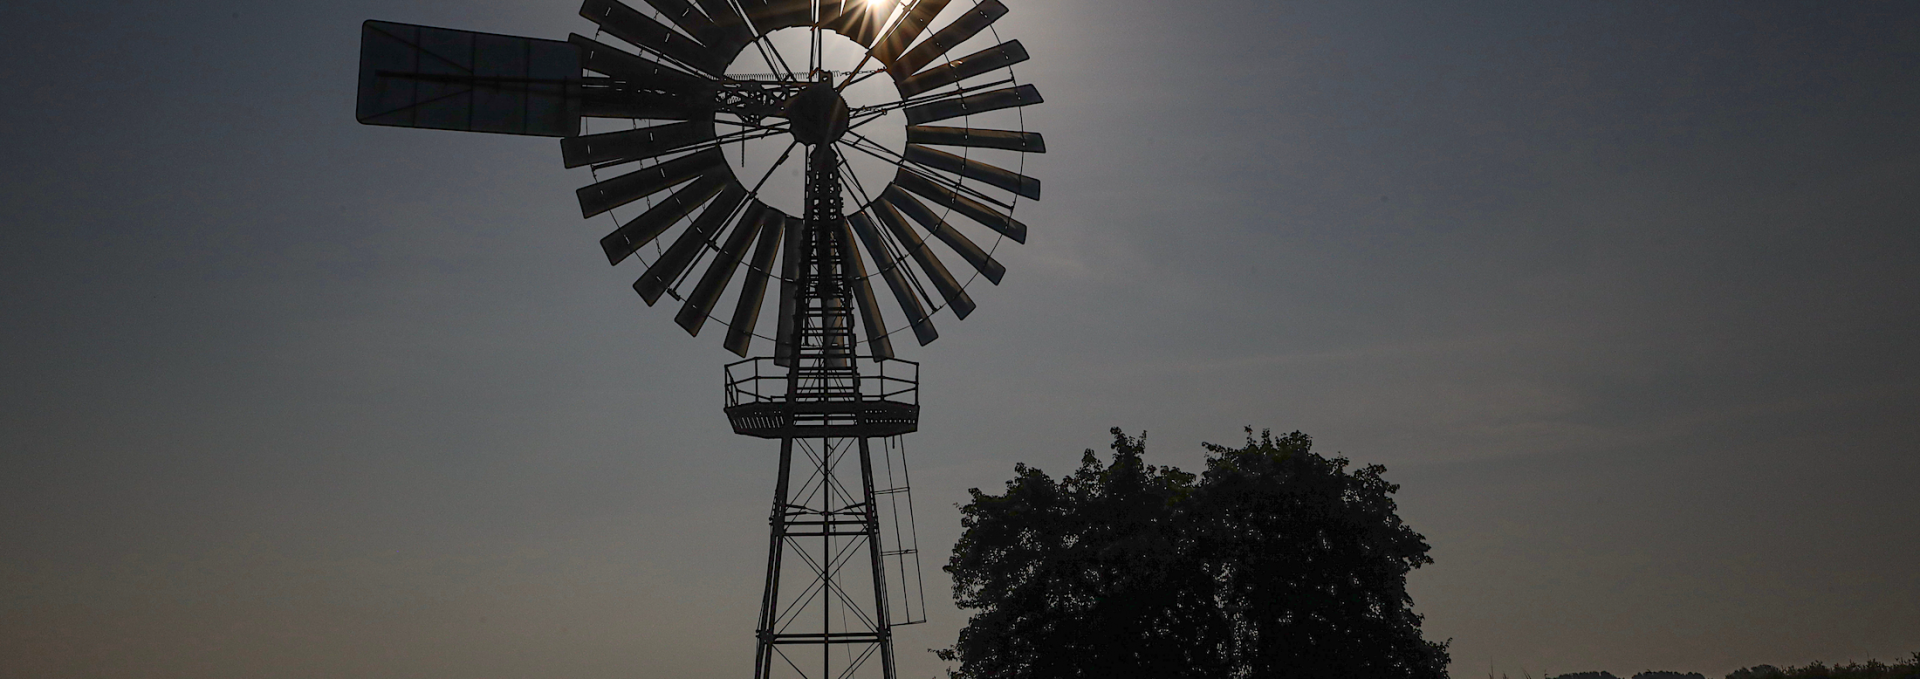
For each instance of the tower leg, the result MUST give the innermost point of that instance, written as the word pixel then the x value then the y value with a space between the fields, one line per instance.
pixel 770 593
pixel 881 611
pixel 813 601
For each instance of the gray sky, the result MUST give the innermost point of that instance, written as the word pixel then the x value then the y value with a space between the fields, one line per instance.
pixel 1622 293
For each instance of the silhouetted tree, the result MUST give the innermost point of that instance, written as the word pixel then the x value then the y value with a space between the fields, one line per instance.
pixel 1650 674
pixel 1087 576
pixel 1312 562
pixel 1871 669
pixel 1276 562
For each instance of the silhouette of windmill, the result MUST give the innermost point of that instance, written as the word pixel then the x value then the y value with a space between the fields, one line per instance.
pixel 674 88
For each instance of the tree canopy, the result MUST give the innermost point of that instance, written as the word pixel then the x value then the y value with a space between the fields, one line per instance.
pixel 1275 561
pixel 1871 669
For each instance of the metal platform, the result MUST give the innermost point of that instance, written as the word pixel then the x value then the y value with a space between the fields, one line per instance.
pixel 885 403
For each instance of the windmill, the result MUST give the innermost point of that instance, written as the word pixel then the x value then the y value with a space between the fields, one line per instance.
pixel 654 104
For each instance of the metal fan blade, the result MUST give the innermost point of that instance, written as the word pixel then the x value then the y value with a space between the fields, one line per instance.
pixel 942 279
pixel 609 194
pixel 683 14
pixel 858 20
pixel 896 41
pixel 999 56
pixel 636 73
pixel 962 28
pixel 680 255
pixel 784 346
pixel 772 15
pixel 629 238
pixel 440 78
pixel 974 210
pixel 630 25
pixel 1029 142
pixel 753 290
pixel 973 169
pixel 838 340
pixel 862 286
pixel 918 212
pixel 693 314
pixel 942 109
pixel 720 11
pixel 890 271
pixel 636 144
pixel 729 28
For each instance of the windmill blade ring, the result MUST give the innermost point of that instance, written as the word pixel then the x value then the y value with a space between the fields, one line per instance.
pixel 705 227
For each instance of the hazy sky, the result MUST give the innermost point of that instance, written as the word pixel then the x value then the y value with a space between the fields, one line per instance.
pixel 1624 295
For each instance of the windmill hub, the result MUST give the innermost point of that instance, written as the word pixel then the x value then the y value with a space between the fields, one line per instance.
pixel 819 114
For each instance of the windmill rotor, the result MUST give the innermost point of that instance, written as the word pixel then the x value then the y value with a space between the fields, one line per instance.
pixel 695 222
pixel 694 104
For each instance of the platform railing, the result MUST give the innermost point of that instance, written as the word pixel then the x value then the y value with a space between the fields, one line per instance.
pixel 884 400
pixel 759 380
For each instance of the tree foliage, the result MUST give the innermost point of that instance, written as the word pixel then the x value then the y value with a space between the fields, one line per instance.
pixel 1276 561
pixel 1871 669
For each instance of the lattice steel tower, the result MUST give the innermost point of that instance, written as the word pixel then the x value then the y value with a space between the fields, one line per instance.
pixel 824 413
